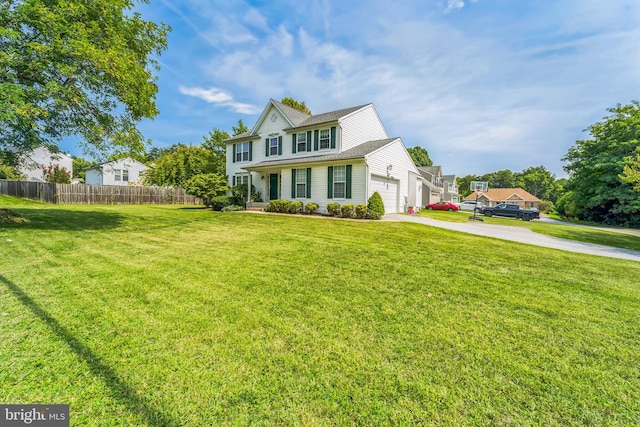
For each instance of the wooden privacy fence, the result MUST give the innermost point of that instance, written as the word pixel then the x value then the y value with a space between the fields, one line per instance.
pixel 98 194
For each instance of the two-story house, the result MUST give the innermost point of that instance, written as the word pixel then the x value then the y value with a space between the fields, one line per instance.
pixel 450 189
pixel 341 156
pixel 438 187
pixel 124 171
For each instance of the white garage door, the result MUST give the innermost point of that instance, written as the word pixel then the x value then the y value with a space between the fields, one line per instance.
pixel 388 189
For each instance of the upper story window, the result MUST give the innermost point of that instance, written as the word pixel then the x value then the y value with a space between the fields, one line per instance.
pixel 302 142
pixel 273 146
pixel 325 139
pixel 121 175
pixel 242 152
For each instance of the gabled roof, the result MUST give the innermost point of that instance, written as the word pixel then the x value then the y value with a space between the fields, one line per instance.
pixel 100 165
pixel 433 170
pixel 331 116
pixel 499 194
pixel 295 116
pixel 449 178
pixel 357 152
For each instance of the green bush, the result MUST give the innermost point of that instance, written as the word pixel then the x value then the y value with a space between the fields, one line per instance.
pixel 220 202
pixel 567 206
pixel 546 206
pixel 333 209
pixel 279 206
pixel 375 207
pixel 347 211
pixel 311 208
pixel 232 208
pixel 295 207
pixel 361 211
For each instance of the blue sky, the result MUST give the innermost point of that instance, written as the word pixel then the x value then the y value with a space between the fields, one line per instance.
pixel 483 85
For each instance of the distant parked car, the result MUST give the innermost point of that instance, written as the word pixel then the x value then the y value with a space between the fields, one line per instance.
pixel 442 206
pixel 469 205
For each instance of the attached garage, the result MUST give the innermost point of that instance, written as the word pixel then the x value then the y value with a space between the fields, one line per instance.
pixel 388 189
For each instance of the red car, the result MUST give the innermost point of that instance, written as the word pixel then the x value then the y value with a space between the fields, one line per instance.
pixel 442 206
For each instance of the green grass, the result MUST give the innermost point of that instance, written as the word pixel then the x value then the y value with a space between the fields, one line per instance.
pixel 570 232
pixel 155 315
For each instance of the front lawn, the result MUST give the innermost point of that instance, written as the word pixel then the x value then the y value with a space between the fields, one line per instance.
pixel 569 232
pixel 156 315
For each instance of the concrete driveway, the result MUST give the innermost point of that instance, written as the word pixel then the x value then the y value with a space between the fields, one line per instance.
pixel 523 235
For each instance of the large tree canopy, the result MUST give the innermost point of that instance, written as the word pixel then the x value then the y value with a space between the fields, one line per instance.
pixel 76 68
pixel 300 106
pixel 175 169
pixel 595 166
pixel 420 156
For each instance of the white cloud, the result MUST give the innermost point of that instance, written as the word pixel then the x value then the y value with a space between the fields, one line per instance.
pixel 453 5
pixel 219 97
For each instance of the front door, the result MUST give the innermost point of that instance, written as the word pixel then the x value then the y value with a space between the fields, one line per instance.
pixel 273 186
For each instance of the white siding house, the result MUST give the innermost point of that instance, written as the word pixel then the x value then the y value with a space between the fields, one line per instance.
pixel 117 172
pixel 33 163
pixel 341 156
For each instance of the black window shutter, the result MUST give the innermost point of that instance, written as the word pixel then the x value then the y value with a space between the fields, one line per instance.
pixel 234 180
pixel 330 183
pixel 308 183
pixel 293 183
pixel 279 146
pixel 266 149
pixel 309 141
pixel 293 143
pixel 234 154
pixel 348 181
pixel 333 137
pixel 315 140
pixel 250 150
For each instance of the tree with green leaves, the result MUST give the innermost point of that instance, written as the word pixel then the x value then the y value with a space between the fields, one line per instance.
pixel 175 169
pixel 631 172
pixel 8 171
pixel 420 156
pixel 538 181
pixel 206 186
pixel 79 167
pixel 595 165
pixel 300 106
pixel 214 142
pixel 239 128
pixel 77 68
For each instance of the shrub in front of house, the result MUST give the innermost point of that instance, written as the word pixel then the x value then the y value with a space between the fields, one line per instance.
pixel 333 208
pixel 279 206
pixel 375 207
pixel 220 202
pixel 232 208
pixel 361 211
pixel 295 207
pixel 346 210
pixel 311 208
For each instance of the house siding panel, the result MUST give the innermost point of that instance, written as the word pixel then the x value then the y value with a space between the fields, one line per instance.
pixel 359 127
pixel 396 154
pixel 319 184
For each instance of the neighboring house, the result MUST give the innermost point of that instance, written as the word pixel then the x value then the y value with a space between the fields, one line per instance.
pixel 116 172
pixel 432 184
pixel 494 196
pixel 33 163
pixel 451 189
pixel 342 156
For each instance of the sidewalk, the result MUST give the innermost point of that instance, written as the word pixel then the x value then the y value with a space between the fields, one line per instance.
pixel 520 235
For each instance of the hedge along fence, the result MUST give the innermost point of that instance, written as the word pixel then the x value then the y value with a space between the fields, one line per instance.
pixel 96 194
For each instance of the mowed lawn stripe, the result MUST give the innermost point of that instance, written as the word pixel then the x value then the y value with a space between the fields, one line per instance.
pixel 262 319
